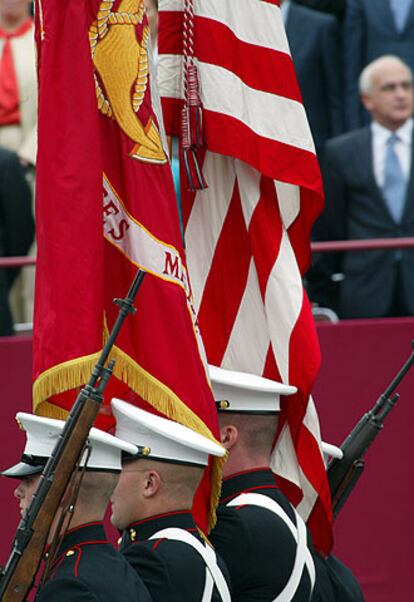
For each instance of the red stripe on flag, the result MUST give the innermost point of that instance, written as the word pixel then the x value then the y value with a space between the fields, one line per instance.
pixel 274 159
pixel 216 44
pixel 171 110
pixel 170 32
pixel 170 27
pixel 307 449
pixel 226 284
pixel 300 231
pixel 265 224
pixel 321 515
pixel 270 368
pixel 304 350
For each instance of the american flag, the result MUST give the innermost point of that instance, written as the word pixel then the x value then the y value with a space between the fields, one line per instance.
pixel 247 235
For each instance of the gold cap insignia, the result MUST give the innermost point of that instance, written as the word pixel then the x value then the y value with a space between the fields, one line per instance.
pixel 223 404
pixel 132 534
pixel 70 553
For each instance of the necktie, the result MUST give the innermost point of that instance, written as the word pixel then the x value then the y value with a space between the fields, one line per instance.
pixel 394 188
pixel 400 9
pixel 9 87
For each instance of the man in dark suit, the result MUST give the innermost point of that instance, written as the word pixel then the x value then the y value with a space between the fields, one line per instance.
pixel 369 189
pixel 152 505
pixel 335 7
pixel 16 227
pixel 371 30
pixel 314 43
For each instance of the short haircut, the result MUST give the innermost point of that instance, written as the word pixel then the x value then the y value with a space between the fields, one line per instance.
pixel 256 431
pixel 96 488
pixel 179 481
pixel 368 73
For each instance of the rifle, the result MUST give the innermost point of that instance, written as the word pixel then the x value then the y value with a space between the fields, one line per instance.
pixel 343 474
pixel 31 536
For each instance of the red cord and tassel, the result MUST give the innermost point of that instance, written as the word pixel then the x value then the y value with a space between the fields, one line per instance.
pixel 192 139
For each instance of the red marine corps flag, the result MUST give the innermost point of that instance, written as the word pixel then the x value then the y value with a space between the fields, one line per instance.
pixel 106 206
pixel 225 72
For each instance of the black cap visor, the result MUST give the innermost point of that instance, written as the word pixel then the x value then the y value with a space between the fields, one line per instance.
pixel 28 466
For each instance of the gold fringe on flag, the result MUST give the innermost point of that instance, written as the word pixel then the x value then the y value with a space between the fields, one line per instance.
pixel 75 373
pixel 63 377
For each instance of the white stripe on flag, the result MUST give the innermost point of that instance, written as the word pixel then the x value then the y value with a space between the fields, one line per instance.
pixel 310 496
pixel 246 23
pixel 284 283
pixel 210 207
pixel 259 111
pixel 170 76
pixel 249 189
pixel 283 460
pixel 312 423
pixel 249 340
pixel 289 202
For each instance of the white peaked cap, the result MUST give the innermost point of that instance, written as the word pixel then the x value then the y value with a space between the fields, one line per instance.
pixel 167 440
pixel 332 451
pixel 243 392
pixel 42 435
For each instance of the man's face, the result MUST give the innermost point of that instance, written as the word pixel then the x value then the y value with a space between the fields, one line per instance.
pixel 126 500
pixel 15 9
pixel 390 101
pixel 25 490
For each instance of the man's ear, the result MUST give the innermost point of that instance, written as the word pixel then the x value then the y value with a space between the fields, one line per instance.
pixel 228 436
pixel 152 483
pixel 367 102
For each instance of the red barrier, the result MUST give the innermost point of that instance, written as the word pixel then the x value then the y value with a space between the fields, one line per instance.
pixel 362 245
pixel 317 247
pixel 16 262
pixel 375 530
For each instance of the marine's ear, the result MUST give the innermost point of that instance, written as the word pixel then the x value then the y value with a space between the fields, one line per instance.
pixel 228 436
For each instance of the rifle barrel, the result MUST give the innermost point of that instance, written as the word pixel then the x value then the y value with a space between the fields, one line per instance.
pixel 33 529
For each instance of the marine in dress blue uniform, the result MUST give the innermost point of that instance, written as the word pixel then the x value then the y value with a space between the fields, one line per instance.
pixel 86 566
pixel 172 570
pixel 256 545
pixel 259 535
pixel 164 546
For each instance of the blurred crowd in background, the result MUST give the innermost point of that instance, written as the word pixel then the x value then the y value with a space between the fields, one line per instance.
pixel 354 61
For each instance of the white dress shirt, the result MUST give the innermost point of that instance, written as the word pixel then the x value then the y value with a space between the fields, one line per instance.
pixel 380 136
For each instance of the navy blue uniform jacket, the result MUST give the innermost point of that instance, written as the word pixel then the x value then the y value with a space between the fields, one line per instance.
pixel 172 570
pixel 88 569
pixel 256 545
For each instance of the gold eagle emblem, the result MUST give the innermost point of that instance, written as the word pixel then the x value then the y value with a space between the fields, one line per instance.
pixel 121 62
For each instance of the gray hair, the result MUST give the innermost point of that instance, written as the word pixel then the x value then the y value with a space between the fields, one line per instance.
pixel 368 73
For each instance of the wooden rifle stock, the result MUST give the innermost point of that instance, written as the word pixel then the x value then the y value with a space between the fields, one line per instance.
pixel 33 530
pixel 26 565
